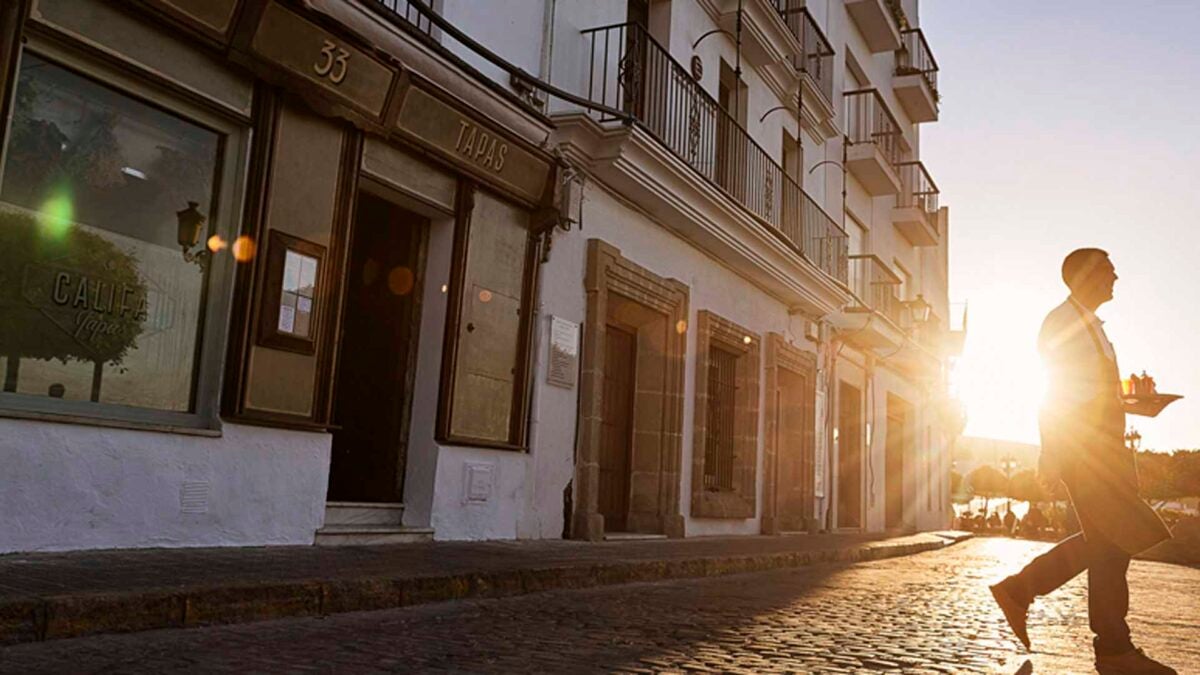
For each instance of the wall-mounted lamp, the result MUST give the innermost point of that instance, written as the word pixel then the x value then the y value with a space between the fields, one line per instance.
pixel 918 310
pixel 191 224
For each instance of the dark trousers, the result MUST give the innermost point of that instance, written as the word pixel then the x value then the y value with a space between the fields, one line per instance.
pixel 1108 590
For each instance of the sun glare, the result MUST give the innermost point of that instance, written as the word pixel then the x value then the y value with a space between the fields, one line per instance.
pixel 999 377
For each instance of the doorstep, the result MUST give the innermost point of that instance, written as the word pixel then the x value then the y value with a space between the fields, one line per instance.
pixel 47 596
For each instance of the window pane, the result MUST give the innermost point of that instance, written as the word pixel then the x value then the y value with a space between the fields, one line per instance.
pixel 719 415
pixel 489 329
pixel 96 298
pixel 299 288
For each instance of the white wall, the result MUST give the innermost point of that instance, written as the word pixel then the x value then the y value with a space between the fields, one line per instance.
pixel 67 486
pixel 512 29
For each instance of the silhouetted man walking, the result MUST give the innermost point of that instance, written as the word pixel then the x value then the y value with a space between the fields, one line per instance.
pixel 1082 428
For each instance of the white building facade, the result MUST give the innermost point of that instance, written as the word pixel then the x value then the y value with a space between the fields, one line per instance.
pixel 352 272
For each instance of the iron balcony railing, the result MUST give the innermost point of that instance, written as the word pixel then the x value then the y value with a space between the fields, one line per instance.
pixel 633 73
pixel 412 12
pixel 868 120
pixel 816 58
pixel 915 58
pixel 874 286
pixel 918 190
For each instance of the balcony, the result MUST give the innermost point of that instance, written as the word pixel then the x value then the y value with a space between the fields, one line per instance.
pixel 915 81
pixel 814 63
pixel 872 320
pixel 879 21
pixel 876 142
pixel 916 212
pixel 633 73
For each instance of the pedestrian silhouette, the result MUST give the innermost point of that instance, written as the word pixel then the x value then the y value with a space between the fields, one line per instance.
pixel 1082 427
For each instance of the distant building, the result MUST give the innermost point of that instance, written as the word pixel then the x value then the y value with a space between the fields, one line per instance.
pixel 359 271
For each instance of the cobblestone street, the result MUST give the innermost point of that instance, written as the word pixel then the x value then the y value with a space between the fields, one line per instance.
pixel 925 613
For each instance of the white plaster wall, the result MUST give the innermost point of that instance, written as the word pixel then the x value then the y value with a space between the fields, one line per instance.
pixel 67 486
pixel 512 29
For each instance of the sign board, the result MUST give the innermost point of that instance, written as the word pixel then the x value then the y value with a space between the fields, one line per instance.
pixel 564 353
pixel 212 16
pixel 308 51
pixel 472 144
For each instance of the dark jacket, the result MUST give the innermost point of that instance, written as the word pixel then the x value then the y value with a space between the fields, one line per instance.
pixel 1082 427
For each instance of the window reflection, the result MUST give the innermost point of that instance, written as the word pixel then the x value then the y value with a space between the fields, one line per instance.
pixel 96 300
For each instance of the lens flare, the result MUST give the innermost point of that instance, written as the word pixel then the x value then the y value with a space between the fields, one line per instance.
pixel 244 249
pixel 400 281
pixel 57 214
pixel 216 244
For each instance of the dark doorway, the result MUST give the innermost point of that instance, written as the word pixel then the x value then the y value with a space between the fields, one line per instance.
pixel 794 485
pixel 893 464
pixel 616 427
pixel 850 437
pixel 376 349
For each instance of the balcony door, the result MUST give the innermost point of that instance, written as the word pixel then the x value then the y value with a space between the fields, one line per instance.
pixel 732 149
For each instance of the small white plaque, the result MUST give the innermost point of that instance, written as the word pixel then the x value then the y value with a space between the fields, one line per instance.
pixel 564 353
pixel 477 482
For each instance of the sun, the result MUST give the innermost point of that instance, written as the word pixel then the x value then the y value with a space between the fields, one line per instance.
pixel 999 378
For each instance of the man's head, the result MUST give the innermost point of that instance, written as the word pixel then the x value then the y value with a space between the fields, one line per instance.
pixel 1090 275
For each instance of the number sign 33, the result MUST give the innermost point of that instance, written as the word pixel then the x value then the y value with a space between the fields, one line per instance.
pixel 332 63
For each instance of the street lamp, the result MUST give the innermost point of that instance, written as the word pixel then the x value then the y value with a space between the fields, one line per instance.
pixel 1008 463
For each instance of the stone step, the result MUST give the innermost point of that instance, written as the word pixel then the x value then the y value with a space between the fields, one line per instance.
pixel 631 536
pixel 364 513
pixel 369 535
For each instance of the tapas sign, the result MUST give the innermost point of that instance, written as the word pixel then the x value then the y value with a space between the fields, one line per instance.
pixel 472 144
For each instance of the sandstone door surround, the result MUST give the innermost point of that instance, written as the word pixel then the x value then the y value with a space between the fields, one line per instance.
pixel 626 295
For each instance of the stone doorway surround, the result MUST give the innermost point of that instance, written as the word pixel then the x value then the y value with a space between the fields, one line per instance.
pixel 622 293
pixel 781 355
pixel 713 330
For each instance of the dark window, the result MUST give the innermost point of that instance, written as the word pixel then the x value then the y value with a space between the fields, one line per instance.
pixel 719 432
pixel 105 204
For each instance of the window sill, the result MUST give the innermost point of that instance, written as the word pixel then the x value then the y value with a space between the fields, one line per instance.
pixel 108 423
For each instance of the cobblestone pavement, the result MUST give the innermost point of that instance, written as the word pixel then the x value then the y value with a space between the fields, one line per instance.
pixel 928 613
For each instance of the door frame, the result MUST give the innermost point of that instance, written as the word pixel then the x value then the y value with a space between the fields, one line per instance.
pixel 367 183
pixel 609 275
pixel 781 355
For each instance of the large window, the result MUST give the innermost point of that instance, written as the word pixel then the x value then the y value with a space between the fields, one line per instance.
pixel 106 214
pixel 484 380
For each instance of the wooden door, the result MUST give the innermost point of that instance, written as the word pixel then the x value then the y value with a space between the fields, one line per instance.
pixel 893 468
pixel 850 438
pixel 794 486
pixel 374 379
pixel 616 427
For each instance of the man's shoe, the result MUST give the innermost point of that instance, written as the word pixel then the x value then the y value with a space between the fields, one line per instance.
pixel 1133 662
pixel 1014 610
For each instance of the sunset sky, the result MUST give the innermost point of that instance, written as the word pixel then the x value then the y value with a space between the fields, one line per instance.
pixel 1066 124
